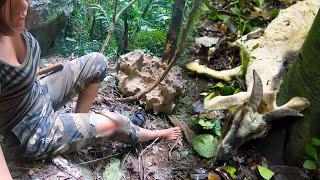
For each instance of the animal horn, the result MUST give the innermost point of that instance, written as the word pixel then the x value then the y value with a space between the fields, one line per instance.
pixel 281 113
pixel 257 92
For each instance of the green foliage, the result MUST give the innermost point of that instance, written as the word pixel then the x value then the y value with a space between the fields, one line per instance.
pixel 309 164
pixel 208 124
pixel 230 170
pixel 80 35
pixel 184 104
pixel 315 142
pixel 247 15
pixel 245 56
pixel 312 151
pixel 222 89
pixel 90 20
pixel 112 171
pixel 205 145
pixel 149 41
pixel 265 172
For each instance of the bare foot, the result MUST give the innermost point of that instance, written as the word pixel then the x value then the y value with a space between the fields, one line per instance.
pixel 171 133
pixel 168 134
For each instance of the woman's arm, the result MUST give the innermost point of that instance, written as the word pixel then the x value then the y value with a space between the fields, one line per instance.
pixel 4 171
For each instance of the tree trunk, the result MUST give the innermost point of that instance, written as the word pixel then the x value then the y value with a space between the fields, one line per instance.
pixel 125 33
pixel 303 79
pixel 174 30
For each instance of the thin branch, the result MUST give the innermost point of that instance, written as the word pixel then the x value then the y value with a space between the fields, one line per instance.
pixel 113 25
pixel 229 13
pixel 99 159
pixel 115 10
pixel 174 145
pixel 140 160
pixel 174 58
pixel 149 146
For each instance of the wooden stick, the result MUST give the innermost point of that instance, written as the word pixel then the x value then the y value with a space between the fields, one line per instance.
pixel 46 70
pixel 174 58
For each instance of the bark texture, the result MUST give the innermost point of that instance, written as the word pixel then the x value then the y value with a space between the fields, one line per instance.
pixel 303 79
pixel 174 30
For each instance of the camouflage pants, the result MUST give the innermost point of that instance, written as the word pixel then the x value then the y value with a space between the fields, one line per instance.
pixel 64 133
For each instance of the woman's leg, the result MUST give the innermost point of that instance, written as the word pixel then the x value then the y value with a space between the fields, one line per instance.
pixel 81 76
pixel 71 132
pixel 144 134
pixel 86 98
pixel 168 134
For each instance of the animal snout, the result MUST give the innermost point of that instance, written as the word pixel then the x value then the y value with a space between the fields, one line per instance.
pixel 223 153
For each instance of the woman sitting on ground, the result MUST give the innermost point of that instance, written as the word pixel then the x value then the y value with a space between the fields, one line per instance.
pixel 29 121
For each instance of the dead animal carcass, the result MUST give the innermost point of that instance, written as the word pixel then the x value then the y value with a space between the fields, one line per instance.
pixel 138 71
pixel 278 46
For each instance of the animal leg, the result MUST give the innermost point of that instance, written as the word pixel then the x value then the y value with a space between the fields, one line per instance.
pixel 225 75
pixel 225 102
pixel 297 103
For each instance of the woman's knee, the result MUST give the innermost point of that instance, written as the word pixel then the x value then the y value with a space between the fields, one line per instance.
pixel 99 59
pixel 96 68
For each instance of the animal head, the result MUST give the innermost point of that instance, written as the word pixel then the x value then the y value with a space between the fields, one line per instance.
pixel 248 123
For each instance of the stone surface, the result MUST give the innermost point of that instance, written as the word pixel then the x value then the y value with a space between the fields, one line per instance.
pixel 138 71
pixel 46 19
pixel 206 41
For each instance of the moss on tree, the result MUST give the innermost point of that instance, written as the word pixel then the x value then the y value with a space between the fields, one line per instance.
pixel 303 79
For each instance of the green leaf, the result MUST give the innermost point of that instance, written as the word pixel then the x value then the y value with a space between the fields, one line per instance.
pixel 112 171
pixel 316 142
pixel 206 124
pixel 210 96
pixel 220 85
pixel 265 172
pixel 222 17
pixel 231 170
pixel 217 127
pixel 205 145
pixel 237 91
pixel 311 151
pixel 227 90
pixel 261 3
pixel 245 58
pixel 236 10
pixel 255 46
pixel 309 164
pixel 273 13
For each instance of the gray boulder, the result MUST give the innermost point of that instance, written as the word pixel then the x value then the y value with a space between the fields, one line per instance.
pixel 46 19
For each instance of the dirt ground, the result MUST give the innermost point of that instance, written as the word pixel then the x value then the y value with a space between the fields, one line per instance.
pixel 150 160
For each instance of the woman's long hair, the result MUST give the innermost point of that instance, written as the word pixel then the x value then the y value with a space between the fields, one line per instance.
pixel 4 26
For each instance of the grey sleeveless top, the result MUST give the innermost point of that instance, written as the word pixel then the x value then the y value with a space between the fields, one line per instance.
pixel 23 102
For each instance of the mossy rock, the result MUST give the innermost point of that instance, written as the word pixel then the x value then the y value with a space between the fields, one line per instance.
pixel 46 19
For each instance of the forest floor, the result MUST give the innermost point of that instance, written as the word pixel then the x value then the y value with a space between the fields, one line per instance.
pixel 150 160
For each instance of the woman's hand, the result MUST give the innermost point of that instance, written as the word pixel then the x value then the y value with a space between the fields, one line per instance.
pixel 4 170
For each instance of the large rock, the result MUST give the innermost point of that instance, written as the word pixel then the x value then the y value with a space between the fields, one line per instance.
pixel 138 71
pixel 46 19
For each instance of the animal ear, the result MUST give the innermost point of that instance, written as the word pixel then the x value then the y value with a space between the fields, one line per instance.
pixel 281 113
pixel 257 92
